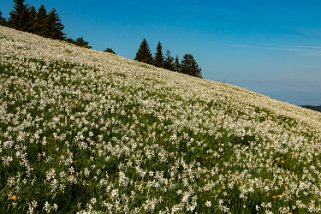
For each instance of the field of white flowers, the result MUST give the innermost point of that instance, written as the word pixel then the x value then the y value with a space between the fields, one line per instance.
pixel 91 132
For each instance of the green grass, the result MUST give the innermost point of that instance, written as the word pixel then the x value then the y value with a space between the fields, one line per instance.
pixel 96 133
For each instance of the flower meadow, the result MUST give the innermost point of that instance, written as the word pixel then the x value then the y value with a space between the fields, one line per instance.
pixel 83 131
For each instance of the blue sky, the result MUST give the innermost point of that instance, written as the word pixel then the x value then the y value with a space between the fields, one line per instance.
pixel 272 46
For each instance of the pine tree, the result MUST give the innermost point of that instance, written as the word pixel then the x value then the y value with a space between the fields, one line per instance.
pixel 41 26
pixel 3 21
pixel 177 65
pixel 109 50
pixel 32 19
pixel 19 16
pixel 143 54
pixel 70 40
pixel 189 66
pixel 169 60
pixel 80 42
pixel 55 26
pixel 159 58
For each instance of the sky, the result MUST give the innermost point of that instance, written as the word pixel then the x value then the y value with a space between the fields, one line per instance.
pixel 269 46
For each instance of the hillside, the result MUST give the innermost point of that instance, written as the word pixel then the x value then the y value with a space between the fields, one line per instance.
pixel 85 131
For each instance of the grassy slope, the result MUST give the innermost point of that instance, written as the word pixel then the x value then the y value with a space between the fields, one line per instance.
pixel 82 130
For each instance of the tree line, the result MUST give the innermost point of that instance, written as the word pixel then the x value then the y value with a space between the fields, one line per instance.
pixel 38 21
pixel 48 24
pixel 187 65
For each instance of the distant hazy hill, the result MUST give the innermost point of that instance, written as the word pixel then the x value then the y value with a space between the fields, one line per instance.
pixel 82 131
pixel 316 108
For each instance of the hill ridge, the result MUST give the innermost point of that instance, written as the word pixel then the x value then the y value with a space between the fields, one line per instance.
pixel 84 131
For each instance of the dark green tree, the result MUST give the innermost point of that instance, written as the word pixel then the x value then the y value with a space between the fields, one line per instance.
pixel 82 43
pixel 169 60
pixel 159 58
pixel 70 40
pixel 41 26
pixel 31 19
pixel 55 26
pixel 79 42
pixel 177 65
pixel 3 21
pixel 143 54
pixel 189 66
pixel 109 50
pixel 19 16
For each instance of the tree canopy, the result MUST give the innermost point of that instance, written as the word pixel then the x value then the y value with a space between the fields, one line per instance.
pixel 189 66
pixel 32 13
pixel 159 58
pixel 3 21
pixel 40 22
pixel 19 16
pixel 55 26
pixel 109 50
pixel 177 65
pixel 144 54
pixel 169 60
pixel 79 42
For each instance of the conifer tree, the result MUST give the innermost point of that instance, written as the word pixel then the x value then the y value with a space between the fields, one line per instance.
pixel 3 21
pixel 19 16
pixel 31 19
pixel 169 60
pixel 143 54
pixel 159 58
pixel 109 50
pixel 177 65
pixel 41 22
pixel 189 66
pixel 55 26
pixel 79 42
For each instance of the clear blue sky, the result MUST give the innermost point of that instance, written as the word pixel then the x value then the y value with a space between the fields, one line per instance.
pixel 269 46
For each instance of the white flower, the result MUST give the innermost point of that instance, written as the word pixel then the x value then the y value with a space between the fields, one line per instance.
pixel 55 207
pixel 208 203
pixel 114 193
pixel 47 207
pixel 31 206
pixel 93 201
pixel 86 172
pixel 6 160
